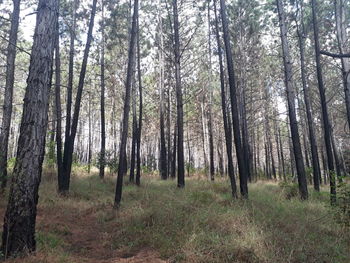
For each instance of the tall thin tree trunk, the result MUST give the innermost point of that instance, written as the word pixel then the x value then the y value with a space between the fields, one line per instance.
pixel 125 124
pixel 8 98
pixel 180 132
pixel 19 223
pixel 58 110
pixel 299 162
pixel 234 107
pixel 310 121
pixel 102 100
pixel 325 116
pixel 69 141
pixel 139 127
pixel 227 126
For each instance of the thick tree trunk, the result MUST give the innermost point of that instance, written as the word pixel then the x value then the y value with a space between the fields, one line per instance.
pixel 8 97
pixel 227 126
pixel 19 223
pixel 180 128
pixel 69 141
pixel 325 116
pixel 102 101
pixel 125 125
pixel 291 105
pixel 234 107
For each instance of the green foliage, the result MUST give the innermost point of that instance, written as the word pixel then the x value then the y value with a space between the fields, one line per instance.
pixel 48 241
pixel 290 190
pixel 343 205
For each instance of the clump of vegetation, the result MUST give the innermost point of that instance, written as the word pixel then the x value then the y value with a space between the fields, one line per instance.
pixel 343 205
pixel 290 190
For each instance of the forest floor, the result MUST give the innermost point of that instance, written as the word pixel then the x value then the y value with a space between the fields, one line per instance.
pixel 201 223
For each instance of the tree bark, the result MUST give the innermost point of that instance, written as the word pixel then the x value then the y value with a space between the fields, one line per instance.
pixel 8 98
pixel 19 223
pixel 69 141
pixel 227 126
pixel 299 162
pixel 102 102
pixel 180 128
pixel 325 116
pixel 125 124
pixel 242 166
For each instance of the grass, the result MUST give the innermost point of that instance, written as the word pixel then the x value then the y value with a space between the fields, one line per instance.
pixel 200 223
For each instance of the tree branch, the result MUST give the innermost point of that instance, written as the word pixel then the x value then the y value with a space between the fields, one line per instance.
pixel 333 55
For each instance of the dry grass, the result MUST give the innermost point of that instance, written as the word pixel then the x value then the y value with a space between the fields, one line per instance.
pixel 200 223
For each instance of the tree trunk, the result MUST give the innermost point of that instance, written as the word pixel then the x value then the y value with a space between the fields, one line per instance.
pixel 312 135
pixel 103 119
pixel 8 98
pixel 58 110
pixel 234 107
pixel 180 128
pixel 69 141
pixel 139 128
pixel 291 105
pixel 163 151
pixel 227 126
pixel 125 125
pixel 19 222
pixel 325 116
pixel 341 22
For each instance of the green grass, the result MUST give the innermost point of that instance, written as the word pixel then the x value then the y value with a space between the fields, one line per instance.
pixel 200 223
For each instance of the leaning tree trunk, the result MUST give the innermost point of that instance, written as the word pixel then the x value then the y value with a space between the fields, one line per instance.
pixel 299 162
pixel 325 116
pixel 243 178
pixel 125 124
pixel 10 79
pixel 227 127
pixel 19 223
pixel 69 141
pixel 180 128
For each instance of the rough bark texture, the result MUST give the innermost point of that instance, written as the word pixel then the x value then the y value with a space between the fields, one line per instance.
pixel 227 127
pixel 125 124
pixel 298 157
pixel 243 178
pixel 19 223
pixel 180 128
pixel 8 97
pixel 325 116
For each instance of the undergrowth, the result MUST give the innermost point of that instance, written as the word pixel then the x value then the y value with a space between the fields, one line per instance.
pixel 200 223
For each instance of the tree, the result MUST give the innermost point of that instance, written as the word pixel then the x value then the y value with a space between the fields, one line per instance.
pixel 103 118
pixel 325 116
pixel 298 157
pixel 180 128
pixel 19 222
pixel 69 141
pixel 125 124
pixel 227 126
pixel 242 166
pixel 8 99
